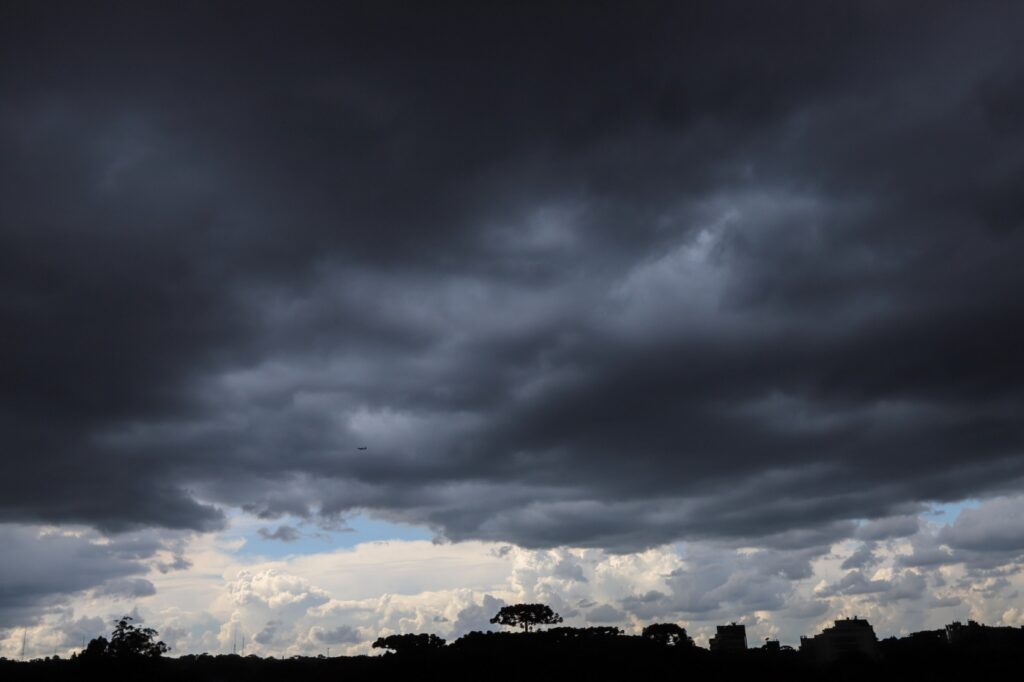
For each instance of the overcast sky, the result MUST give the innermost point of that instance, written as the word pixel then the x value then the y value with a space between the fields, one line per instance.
pixel 679 311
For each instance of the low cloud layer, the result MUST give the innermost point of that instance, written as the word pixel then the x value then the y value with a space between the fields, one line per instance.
pixel 345 599
pixel 579 276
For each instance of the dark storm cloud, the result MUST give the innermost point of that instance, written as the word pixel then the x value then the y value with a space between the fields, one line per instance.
pixel 987 540
pixel 269 632
pixel 282 533
pixel 888 528
pixel 343 634
pixel 863 557
pixel 585 275
pixel 906 585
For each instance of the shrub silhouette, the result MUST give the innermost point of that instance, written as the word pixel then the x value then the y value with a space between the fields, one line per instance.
pixel 526 616
pixel 409 643
pixel 595 633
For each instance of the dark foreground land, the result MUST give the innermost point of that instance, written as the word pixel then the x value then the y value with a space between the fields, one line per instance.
pixel 529 657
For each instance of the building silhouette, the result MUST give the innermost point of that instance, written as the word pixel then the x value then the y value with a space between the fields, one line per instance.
pixel 927 639
pixel 977 635
pixel 729 639
pixel 847 637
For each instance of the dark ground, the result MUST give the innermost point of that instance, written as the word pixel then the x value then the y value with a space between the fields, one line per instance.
pixel 530 657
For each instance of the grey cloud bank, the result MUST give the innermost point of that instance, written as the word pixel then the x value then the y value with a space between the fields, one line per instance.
pixel 43 569
pixel 573 276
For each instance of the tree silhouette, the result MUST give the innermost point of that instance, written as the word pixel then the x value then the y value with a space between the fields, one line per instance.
pixel 97 648
pixel 668 634
pixel 409 643
pixel 526 616
pixel 131 641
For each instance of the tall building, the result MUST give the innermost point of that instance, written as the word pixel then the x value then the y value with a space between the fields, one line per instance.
pixel 729 638
pixel 847 637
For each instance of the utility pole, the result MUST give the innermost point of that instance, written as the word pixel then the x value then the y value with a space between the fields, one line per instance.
pixel 24 636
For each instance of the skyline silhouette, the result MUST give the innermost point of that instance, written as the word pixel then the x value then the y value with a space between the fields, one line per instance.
pixel 846 637
pixel 848 649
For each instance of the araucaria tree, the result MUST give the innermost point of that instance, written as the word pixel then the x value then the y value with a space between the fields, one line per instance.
pixel 526 616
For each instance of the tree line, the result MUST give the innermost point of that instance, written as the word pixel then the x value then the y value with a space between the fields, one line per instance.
pixel 535 645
